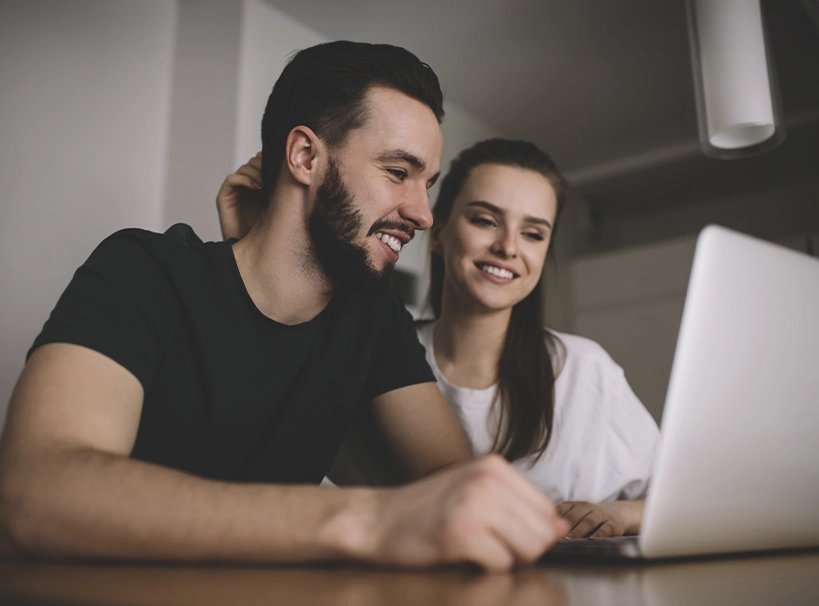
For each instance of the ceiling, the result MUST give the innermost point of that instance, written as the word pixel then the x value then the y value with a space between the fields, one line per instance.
pixel 605 86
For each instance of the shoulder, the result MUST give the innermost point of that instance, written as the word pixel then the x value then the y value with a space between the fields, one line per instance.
pixel 585 370
pixel 134 246
pixel 576 346
pixel 146 266
pixel 580 353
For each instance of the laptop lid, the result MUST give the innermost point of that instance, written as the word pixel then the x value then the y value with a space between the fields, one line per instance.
pixel 738 463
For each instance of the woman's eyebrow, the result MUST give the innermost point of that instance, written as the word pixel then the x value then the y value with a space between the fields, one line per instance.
pixel 499 211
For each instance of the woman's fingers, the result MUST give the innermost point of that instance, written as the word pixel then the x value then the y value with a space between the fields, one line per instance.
pixel 588 519
pixel 241 180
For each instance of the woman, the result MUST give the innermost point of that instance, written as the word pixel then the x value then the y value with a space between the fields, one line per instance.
pixel 555 405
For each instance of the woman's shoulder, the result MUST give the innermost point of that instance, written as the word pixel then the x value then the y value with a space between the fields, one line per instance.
pixel 576 348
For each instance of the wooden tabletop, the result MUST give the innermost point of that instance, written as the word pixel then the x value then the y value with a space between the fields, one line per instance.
pixel 781 579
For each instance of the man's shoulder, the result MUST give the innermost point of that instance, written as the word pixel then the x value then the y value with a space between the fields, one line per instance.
pixel 134 249
pixel 134 241
pixel 141 261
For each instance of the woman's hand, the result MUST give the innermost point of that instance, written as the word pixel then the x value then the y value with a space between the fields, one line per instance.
pixel 239 201
pixel 612 519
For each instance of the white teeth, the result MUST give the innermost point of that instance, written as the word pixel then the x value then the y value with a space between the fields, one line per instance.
pixel 393 243
pixel 497 271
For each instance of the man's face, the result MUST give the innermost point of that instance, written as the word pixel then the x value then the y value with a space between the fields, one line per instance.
pixel 374 193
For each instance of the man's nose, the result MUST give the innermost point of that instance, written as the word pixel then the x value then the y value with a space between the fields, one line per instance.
pixel 416 209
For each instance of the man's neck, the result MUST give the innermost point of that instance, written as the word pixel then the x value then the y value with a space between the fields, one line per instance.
pixel 279 268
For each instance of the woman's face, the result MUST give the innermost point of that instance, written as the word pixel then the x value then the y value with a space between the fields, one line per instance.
pixel 495 241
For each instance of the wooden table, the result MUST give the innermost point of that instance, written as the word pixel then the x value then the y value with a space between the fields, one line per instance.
pixel 791 579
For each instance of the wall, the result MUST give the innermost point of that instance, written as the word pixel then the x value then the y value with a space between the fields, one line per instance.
pixel 203 108
pixel 631 302
pixel 84 110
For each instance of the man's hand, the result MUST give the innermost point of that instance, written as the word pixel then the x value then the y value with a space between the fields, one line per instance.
pixel 239 201
pixel 485 512
pixel 612 519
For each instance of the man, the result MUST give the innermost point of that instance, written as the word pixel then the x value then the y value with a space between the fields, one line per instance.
pixel 183 395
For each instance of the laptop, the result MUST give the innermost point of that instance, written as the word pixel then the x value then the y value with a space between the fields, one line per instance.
pixel 737 468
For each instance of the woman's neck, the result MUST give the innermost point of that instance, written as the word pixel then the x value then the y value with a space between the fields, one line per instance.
pixel 468 345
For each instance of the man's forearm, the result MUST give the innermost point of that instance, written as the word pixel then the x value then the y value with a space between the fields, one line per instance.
pixel 86 503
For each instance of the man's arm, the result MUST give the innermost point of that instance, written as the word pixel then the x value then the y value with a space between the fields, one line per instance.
pixel 69 488
pixel 420 429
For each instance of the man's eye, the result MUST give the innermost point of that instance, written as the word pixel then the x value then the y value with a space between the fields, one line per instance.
pixel 397 173
pixel 482 221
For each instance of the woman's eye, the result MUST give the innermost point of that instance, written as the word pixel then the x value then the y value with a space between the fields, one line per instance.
pixel 397 173
pixel 482 221
pixel 533 235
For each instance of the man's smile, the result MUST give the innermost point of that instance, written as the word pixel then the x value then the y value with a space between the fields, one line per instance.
pixel 394 243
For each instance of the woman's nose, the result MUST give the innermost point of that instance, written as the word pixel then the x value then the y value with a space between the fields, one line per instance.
pixel 506 244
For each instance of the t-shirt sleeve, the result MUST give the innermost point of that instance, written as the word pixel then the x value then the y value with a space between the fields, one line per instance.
pixel 400 358
pixel 631 440
pixel 107 307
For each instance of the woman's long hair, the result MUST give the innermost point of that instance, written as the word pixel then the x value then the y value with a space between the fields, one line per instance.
pixel 526 374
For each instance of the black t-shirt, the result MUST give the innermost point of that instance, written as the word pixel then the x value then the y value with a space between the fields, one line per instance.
pixel 229 393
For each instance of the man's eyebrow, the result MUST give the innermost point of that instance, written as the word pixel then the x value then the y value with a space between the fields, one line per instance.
pixel 399 155
pixel 499 211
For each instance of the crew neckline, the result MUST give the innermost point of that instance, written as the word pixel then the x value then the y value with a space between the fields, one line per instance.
pixel 310 325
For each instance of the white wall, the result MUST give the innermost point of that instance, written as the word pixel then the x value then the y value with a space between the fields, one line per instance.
pixel 84 106
pixel 203 109
pixel 631 302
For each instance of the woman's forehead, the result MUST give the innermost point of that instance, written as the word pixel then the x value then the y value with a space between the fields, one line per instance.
pixel 509 187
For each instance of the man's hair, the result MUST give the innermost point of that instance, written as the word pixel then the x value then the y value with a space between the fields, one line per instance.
pixel 324 88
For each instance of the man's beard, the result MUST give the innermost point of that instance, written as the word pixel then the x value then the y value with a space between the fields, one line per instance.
pixel 333 225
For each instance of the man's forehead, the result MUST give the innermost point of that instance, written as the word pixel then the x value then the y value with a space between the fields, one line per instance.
pixel 398 127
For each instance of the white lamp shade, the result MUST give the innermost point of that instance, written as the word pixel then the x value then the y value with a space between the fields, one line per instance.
pixel 736 90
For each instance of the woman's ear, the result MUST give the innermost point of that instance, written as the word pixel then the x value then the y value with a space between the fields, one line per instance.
pixel 302 150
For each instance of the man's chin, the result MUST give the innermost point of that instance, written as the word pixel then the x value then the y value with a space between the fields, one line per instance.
pixel 372 282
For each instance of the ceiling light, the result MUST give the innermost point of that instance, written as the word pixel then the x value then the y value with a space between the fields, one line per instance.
pixel 738 106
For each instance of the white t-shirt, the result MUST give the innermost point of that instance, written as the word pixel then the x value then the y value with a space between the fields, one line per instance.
pixel 603 439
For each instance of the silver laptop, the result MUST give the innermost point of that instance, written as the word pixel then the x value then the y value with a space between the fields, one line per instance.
pixel 738 463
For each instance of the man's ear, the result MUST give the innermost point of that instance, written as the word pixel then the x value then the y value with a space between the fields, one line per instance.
pixel 302 150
